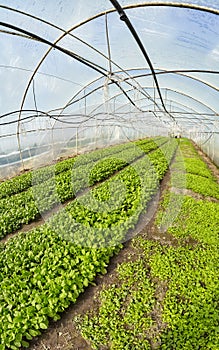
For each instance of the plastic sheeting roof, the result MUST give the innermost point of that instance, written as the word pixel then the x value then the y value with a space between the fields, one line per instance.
pixel 69 65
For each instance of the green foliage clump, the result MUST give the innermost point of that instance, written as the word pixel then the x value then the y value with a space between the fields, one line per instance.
pixel 193 165
pixel 124 314
pixel 190 306
pixel 191 172
pixel 198 219
pixel 44 270
pixel 202 185
pixel 41 274
pixel 24 198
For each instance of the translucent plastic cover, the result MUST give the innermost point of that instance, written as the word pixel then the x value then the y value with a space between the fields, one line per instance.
pixel 79 74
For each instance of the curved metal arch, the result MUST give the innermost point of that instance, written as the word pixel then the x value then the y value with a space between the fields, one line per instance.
pixel 207 125
pixel 178 92
pixel 47 114
pixel 119 94
pixel 202 120
pixel 195 99
pixel 191 6
pixel 188 96
pixel 52 116
pixel 125 18
pixel 160 71
pixel 177 72
pixel 197 119
pixel 40 39
pixel 134 88
pixel 175 5
pixel 61 29
pixel 169 4
pixel 77 57
pixel 151 4
pixel 51 25
pixel 188 114
pixel 151 111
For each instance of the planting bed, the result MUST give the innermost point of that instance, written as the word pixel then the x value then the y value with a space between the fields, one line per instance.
pixel 157 291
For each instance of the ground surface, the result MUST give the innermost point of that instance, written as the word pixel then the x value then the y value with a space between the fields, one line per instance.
pixel 63 334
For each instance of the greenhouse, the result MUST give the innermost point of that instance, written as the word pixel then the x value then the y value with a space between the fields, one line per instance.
pixel 109 175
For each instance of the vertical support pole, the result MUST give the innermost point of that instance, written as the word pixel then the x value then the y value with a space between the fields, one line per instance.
pixel 85 102
pixel 77 140
pixel 154 95
pixel 95 131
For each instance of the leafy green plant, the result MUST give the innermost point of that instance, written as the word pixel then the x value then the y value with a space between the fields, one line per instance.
pixel 123 317
pixel 190 271
pixel 198 219
pixel 46 269
pixel 23 208
pixel 190 303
